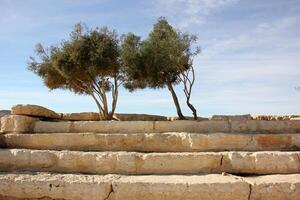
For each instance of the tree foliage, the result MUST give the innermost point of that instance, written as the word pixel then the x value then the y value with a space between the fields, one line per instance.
pixel 87 63
pixel 161 60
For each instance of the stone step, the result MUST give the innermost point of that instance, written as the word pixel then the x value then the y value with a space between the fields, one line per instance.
pixel 45 186
pixel 268 162
pixel 17 123
pixel 152 142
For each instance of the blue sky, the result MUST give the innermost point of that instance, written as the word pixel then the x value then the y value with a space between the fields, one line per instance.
pixel 250 60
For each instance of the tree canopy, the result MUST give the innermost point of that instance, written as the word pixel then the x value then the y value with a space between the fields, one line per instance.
pixel 87 63
pixel 159 60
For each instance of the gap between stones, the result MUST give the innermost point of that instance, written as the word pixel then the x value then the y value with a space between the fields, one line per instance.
pixel 111 187
pixel 242 179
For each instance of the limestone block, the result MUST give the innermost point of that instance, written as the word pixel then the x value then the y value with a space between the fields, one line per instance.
pixel 17 123
pixel 267 162
pixel 46 186
pixel 275 187
pixel 153 142
pixel 55 186
pixel 183 163
pixel 52 127
pixel 83 116
pixel 113 127
pixel 262 126
pixel 139 117
pixel 192 126
pixel 34 110
pixel 232 117
pixel 176 187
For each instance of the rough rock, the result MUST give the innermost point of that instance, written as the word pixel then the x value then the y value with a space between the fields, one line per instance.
pixel 275 187
pixel 276 117
pixel 176 187
pixel 154 142
pixel 150 163
pixel 55 186
pixel 83 116
pixel 33 186
pixel 188 118
pixel 34 110
pixel 4 112
pixel 139 117
pixel 231 117
pixel 17 124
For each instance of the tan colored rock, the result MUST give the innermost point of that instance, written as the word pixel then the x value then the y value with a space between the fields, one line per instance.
pixel 263 126
pixel 231 117
pixel 34 111
pixel 149 163
pixel 94 126
pixel 52 127
pixel 154 142
pixel 275 187
pixel 192 126
pixel 83 116
pixel 55 186
pixel 167 187
pixel 276 117
pixel 266 162
pixel 295 118
pixel 17 123
pixel 176 187
pixel 139 117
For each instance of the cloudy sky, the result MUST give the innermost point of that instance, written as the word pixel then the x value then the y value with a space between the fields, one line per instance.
pixel 250 60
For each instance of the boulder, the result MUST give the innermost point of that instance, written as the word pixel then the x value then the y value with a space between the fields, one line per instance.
pixel 34 111
pixel 83 116
pixel 17 123
pixel 231 117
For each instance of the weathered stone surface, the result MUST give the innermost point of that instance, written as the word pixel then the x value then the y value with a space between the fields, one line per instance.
pixel 175 187
pixel 17 186
pixel 256 126
pixel 191 126
pixel 231 117
pixel 93 126
pixel 139 117
pixel 4 112
pixel 150 163
pixel 187 118
pixel 17 123
pixel 52 127
pixel 276 117
pixel 83 116
pixel 33 110
pixel 267 162
pixel 275 187
pixel 154 142
pixel 55 186
pixel 208 126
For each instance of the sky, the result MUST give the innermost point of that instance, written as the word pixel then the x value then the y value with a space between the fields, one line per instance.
pixel 249 61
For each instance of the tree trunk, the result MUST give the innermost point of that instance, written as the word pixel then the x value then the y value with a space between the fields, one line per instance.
pixel 193 109
pixel 176 102
pixel 100 109
pixel 115 94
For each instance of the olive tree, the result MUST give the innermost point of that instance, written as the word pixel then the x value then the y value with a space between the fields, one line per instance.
pixel 86 64
pixel 163 59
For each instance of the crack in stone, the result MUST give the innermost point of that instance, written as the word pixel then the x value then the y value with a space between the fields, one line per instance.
pixel 250 190
pixel 242 179
pixel 111 189
pixel 298 156
pixel 221 160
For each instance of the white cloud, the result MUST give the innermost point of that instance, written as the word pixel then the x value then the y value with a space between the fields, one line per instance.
pixel 185 13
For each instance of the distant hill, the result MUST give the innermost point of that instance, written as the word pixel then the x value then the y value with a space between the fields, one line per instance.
pixel 4 112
